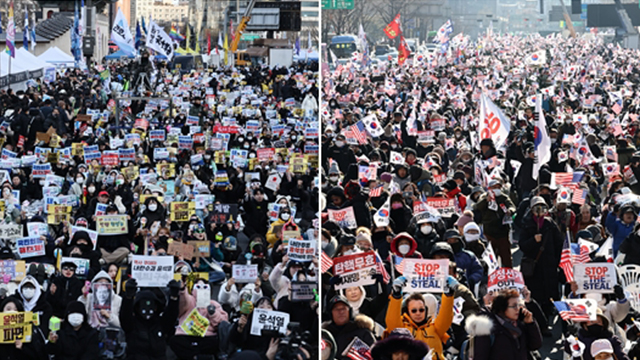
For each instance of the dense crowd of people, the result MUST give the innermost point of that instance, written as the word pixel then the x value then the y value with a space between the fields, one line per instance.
pixel 161 222
pixel 513 160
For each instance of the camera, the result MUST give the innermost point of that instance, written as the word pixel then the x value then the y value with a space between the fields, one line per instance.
pixel 291 345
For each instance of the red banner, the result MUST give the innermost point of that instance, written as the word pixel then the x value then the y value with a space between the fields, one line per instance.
pixel 393 29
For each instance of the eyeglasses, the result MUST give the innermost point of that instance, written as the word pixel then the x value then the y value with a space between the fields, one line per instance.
pixel 414 311
pixel 517 306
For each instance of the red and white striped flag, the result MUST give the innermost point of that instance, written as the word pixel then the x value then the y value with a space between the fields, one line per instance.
pixel 358 350
pixel 579 196
pixel 359 132
pixel 398 262
pixel 326 262
pixel 376 192
pixel 381 269
pixel 566 262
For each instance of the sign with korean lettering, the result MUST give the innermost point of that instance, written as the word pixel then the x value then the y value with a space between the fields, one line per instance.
pixel 244 273
pixel 505 278
pixel 355 270
pixel 41 170
pixel 110 158
pixel 179 249
pixel 595 277
pixel 303 290
pixel 126 154
pixel 157 135
pixel 30 247
pixel 10 231
pixel 446 207
pixel 152 271
pixel 36 229
pixel 195 324
pixel 224 212
pixel 301 250
pixel 265 154
pixel 15 326
pixel 346 218
pixel 13 269
pixel 425 275
pixel 182 210
pixel 202 248
pixel 158 40
pixel 268 320
pixel 112 224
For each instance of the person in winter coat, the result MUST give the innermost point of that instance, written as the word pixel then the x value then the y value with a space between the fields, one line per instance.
pixel 344 325
pixel 493 211
pixel 64 288
pixel 240 333
pixel 20 350
pixel 102 290
pixel 147 321
pixel 275 231
pixel 400 213
pixel 342 154
pixel 360 203
pixel 404 246
pixel 412 315
pixel 400 344
pixel 361 304
pixel 34 300
pixel 541 240
pixel 426 235
pixel 76 340
pixel 232 298
pixel 257 209
pixel 466 260
pixel 590 332
pixel 621 226
pixel 189 345
pixel 281 275
pixel 629 250
pixel 472 236
pixel 508 331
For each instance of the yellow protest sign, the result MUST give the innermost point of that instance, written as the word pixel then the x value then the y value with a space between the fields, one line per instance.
pixel 166 170
pixel 58 213
pixel 298 165
pixel 15 326
pixel 112 224
pixel 77 149
pixel 54 141
pixel 53 157
pixel 195 324
pixel 182 210
pixel 143 198
pixel 131 173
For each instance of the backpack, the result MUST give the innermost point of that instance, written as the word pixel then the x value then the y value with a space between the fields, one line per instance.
pixel 466 350
pixel 112 343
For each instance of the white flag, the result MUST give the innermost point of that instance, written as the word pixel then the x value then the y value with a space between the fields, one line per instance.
pixel 542 141
pixel 493 124
pixel 489 257
pixel 159 40
pixel 381 217
pixel 590 245
pixel 606 249
pixel 121 35
pixel 537 58
pixel 373 126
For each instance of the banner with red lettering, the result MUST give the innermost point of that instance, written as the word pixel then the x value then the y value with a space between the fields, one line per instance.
pixel 425 275
pixel 505 278
pixel 355 270
pixel 493 123
pixel 446 207
pixel 595 278
pixel 346 218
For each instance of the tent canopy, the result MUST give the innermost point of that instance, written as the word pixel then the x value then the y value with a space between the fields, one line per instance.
pixel 54 55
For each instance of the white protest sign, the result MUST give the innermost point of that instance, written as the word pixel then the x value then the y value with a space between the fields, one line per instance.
pixel 355 270
pixel 301 250
pixel 505 278
pixel 10 231
pixel 244 273
pixel 268 320
pixel 346 218
pixel 595 277
pixel 152 271
pixel 425 275
pixel 36 229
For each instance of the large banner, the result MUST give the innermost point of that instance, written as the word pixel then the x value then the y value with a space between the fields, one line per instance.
pixel 121 35
pixel 152 271
pixel 158 40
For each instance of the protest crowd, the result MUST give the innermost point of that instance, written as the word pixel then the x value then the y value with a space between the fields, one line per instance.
pixel 177 221
pixel 481 199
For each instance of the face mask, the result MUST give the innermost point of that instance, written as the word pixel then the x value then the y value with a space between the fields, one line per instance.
pixel 249 137
pixel 325 244
pixel 207 157
pixel 348 252
pixel 339 143
pixel 285 216
pixel 497 192
pixel 404 249
pixel 334 178
pixel 240 139
pixel 153 207
pixel 119 181
pixel 75 319
pixel 252 156
pixel 80 180
pixel 595 329
pixel 426 229
pixel 28 293
pixel 110 179
pixel 92 189
pixel 394 146
pixel 457 247
pixel 472 237
pixel 246 146
pixel 396 206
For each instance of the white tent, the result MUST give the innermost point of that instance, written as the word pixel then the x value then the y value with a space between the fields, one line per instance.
pixel 33 61
pixel 25 66
pixel 56 56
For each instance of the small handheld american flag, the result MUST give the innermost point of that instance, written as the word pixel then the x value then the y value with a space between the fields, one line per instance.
pixel 566 262
pixel 326 262
pixel 358 350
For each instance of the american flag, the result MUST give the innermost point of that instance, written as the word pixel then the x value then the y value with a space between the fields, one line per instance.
pixel 570 312
pixel 580 254
pixel 376 192
pixel 326 262
pixel 381 269
pixel 358 350
pixel 566 262
pixel 359 132
pixel 398 262
pixel 579 196
pixel 566 178
pixel 617 107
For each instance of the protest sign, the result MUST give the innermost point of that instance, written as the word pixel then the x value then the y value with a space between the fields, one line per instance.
pixel 505 278
pixel 30 247
pixel 345 218
pixel 224 212
pixel 595 277
pixel 82 265
pixel 15 326
pixel 102 293
pixel 14 269
pixel 10 231
pixel 101 209
pixel 426 275
pixel 179 249
pixel 182 211
pixel 41 170
pixel 112 224
pixel 446 207
pixel 301 250
pixel 195 324
pixel 303 290
pixel 355 270
pixel 37 229
pixel 244 273
pixel 152 271
pixel 201 248
pixel 268 320
pixel 202 201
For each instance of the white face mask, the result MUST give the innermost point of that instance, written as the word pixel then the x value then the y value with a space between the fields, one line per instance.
pixel 75 319
pixel 497 192
pixel 339 143
pixel 92 189
pixel 324 244
pixel 153 207
pixel 334 178
pixel 285 216
pixel 28 293
pixel 426 229
pixel 404 249
pixel 80 180
pixel 348 252
pixel 472 237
